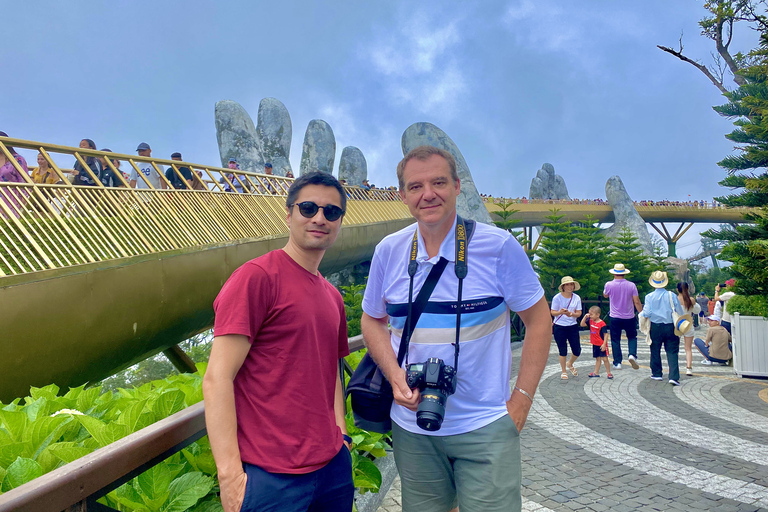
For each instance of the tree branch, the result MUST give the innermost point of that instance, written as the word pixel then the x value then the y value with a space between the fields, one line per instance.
pixel 700 67
pixel 722 49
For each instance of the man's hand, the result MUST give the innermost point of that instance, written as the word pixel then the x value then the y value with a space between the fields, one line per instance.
pixel 404 395
pixel 233 492
pixel 518 407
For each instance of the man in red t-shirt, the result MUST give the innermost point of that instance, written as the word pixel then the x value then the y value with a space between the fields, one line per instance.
pixel 273 401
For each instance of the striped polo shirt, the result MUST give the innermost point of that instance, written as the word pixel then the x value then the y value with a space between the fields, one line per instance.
pixel 500 279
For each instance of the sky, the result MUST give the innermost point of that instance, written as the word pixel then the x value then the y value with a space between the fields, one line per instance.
pixel 515 84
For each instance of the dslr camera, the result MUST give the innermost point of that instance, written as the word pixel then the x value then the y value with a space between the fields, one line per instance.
pixel 436 382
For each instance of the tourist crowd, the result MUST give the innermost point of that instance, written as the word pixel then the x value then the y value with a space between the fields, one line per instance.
pixel 665 317
pixel 598 201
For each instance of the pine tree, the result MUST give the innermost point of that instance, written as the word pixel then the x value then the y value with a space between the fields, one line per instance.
pixel 556 253
pixel 590 267
pixel 747 246
pixel 507 223
pixel 627 250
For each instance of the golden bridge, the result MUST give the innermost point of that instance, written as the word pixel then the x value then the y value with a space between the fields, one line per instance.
pixel 95 278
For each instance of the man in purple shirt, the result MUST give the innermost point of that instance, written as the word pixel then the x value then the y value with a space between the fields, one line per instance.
pixel 624 300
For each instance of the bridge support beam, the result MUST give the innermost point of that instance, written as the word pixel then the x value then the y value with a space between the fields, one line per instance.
pixel 672 239
pixel 180 360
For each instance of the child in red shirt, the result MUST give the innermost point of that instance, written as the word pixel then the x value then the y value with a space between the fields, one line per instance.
pixel 597 331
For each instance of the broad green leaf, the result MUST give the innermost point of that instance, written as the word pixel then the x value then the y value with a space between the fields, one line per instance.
pixel 86 399
pixel 153 484
pixel 177 468
pixel 190 458
pixel 50 392
pixel 2 477
pixel 378 452
pixel 187 490
pixel 47 460
pixel 94 427
pixel 206 464
pixel 13 405
pixel 201 368
pixel 37 409
pixel 45 430
pixel 20 472
pixel 71 396
pixel 128 496
pixel 208 506
pixel 15 423
pixel 131 415
pixel 367 469
pixel 5 437
pixel 170 402
pixel 68 451
pixel 12 451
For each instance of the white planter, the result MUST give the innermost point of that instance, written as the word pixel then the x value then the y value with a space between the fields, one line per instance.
pixel 750 345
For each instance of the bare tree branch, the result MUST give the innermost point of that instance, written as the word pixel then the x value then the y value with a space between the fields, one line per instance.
pixel 722 49
pixel 700 67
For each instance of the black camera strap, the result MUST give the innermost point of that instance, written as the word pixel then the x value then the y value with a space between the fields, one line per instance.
pixel 464 230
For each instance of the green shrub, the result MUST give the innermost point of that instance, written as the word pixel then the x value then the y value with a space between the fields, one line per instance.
pixel 748 305
pixel 46 430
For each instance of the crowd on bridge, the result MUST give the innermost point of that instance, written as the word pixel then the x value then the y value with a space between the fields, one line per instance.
pixel 601 202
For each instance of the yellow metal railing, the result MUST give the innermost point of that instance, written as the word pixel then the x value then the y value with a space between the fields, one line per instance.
pixel 48 226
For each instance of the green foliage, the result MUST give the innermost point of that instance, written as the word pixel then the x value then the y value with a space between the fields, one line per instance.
pixel 507 223
pixel 353 306
pixel 628 251
pixel 589 269
pixel 198 348
pixel 557 255
pixel 706 281
pixel 748 305
pixel 747 246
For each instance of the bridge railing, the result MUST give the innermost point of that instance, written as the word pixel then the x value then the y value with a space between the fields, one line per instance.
pixel 48 226
pixel 76 486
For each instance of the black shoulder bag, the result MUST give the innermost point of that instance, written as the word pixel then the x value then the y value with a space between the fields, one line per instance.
pixel 370 391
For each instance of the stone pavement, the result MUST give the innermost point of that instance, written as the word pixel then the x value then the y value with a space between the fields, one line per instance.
pixel 632 443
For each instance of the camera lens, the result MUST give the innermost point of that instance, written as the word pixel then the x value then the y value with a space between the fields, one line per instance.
pixel 431 410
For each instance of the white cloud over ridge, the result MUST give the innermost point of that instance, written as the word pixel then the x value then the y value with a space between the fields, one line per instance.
pixel 420 64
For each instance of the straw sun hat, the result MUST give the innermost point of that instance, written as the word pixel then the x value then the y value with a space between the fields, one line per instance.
pixel 658 279
pixel 619 269
pixel 566 280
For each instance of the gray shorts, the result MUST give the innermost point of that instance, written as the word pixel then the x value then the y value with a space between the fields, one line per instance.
pixel 479 471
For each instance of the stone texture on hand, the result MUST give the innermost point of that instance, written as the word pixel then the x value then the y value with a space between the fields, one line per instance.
pixel 352 166
pixel 319 149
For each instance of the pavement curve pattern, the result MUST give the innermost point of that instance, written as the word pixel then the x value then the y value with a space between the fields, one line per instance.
pixel 635 444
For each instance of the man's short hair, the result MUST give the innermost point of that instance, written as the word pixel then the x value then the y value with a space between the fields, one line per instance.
pixel 176 155
pixel 423 153
pixel 315 178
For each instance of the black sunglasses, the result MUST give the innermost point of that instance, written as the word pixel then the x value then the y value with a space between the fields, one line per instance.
pixel 309 209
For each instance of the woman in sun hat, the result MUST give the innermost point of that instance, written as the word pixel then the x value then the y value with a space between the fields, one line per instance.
pixel 566 309
pixel 624 300
pixel 658 307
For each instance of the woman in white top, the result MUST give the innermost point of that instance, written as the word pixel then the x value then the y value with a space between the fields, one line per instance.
pixel 566 309
pixel 722 311
pixel 689 307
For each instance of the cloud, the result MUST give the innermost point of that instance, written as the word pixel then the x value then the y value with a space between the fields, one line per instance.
pixel 570 28
pixel 420 63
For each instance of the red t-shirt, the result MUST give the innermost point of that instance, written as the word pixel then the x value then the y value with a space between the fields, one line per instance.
pixel 284 391
pixel 597 331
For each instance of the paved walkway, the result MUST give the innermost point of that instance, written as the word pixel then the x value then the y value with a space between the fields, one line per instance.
pixel 633 443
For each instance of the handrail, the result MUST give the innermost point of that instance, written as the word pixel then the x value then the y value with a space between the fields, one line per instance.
pixel 82 482
pixel 48 226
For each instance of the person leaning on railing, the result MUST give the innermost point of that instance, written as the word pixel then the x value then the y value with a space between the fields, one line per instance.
pixel 81 176
pixel 108 177
pixel 9 173
pixel 43 175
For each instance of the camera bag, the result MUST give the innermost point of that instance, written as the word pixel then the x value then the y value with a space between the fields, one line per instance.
pixel 371 392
